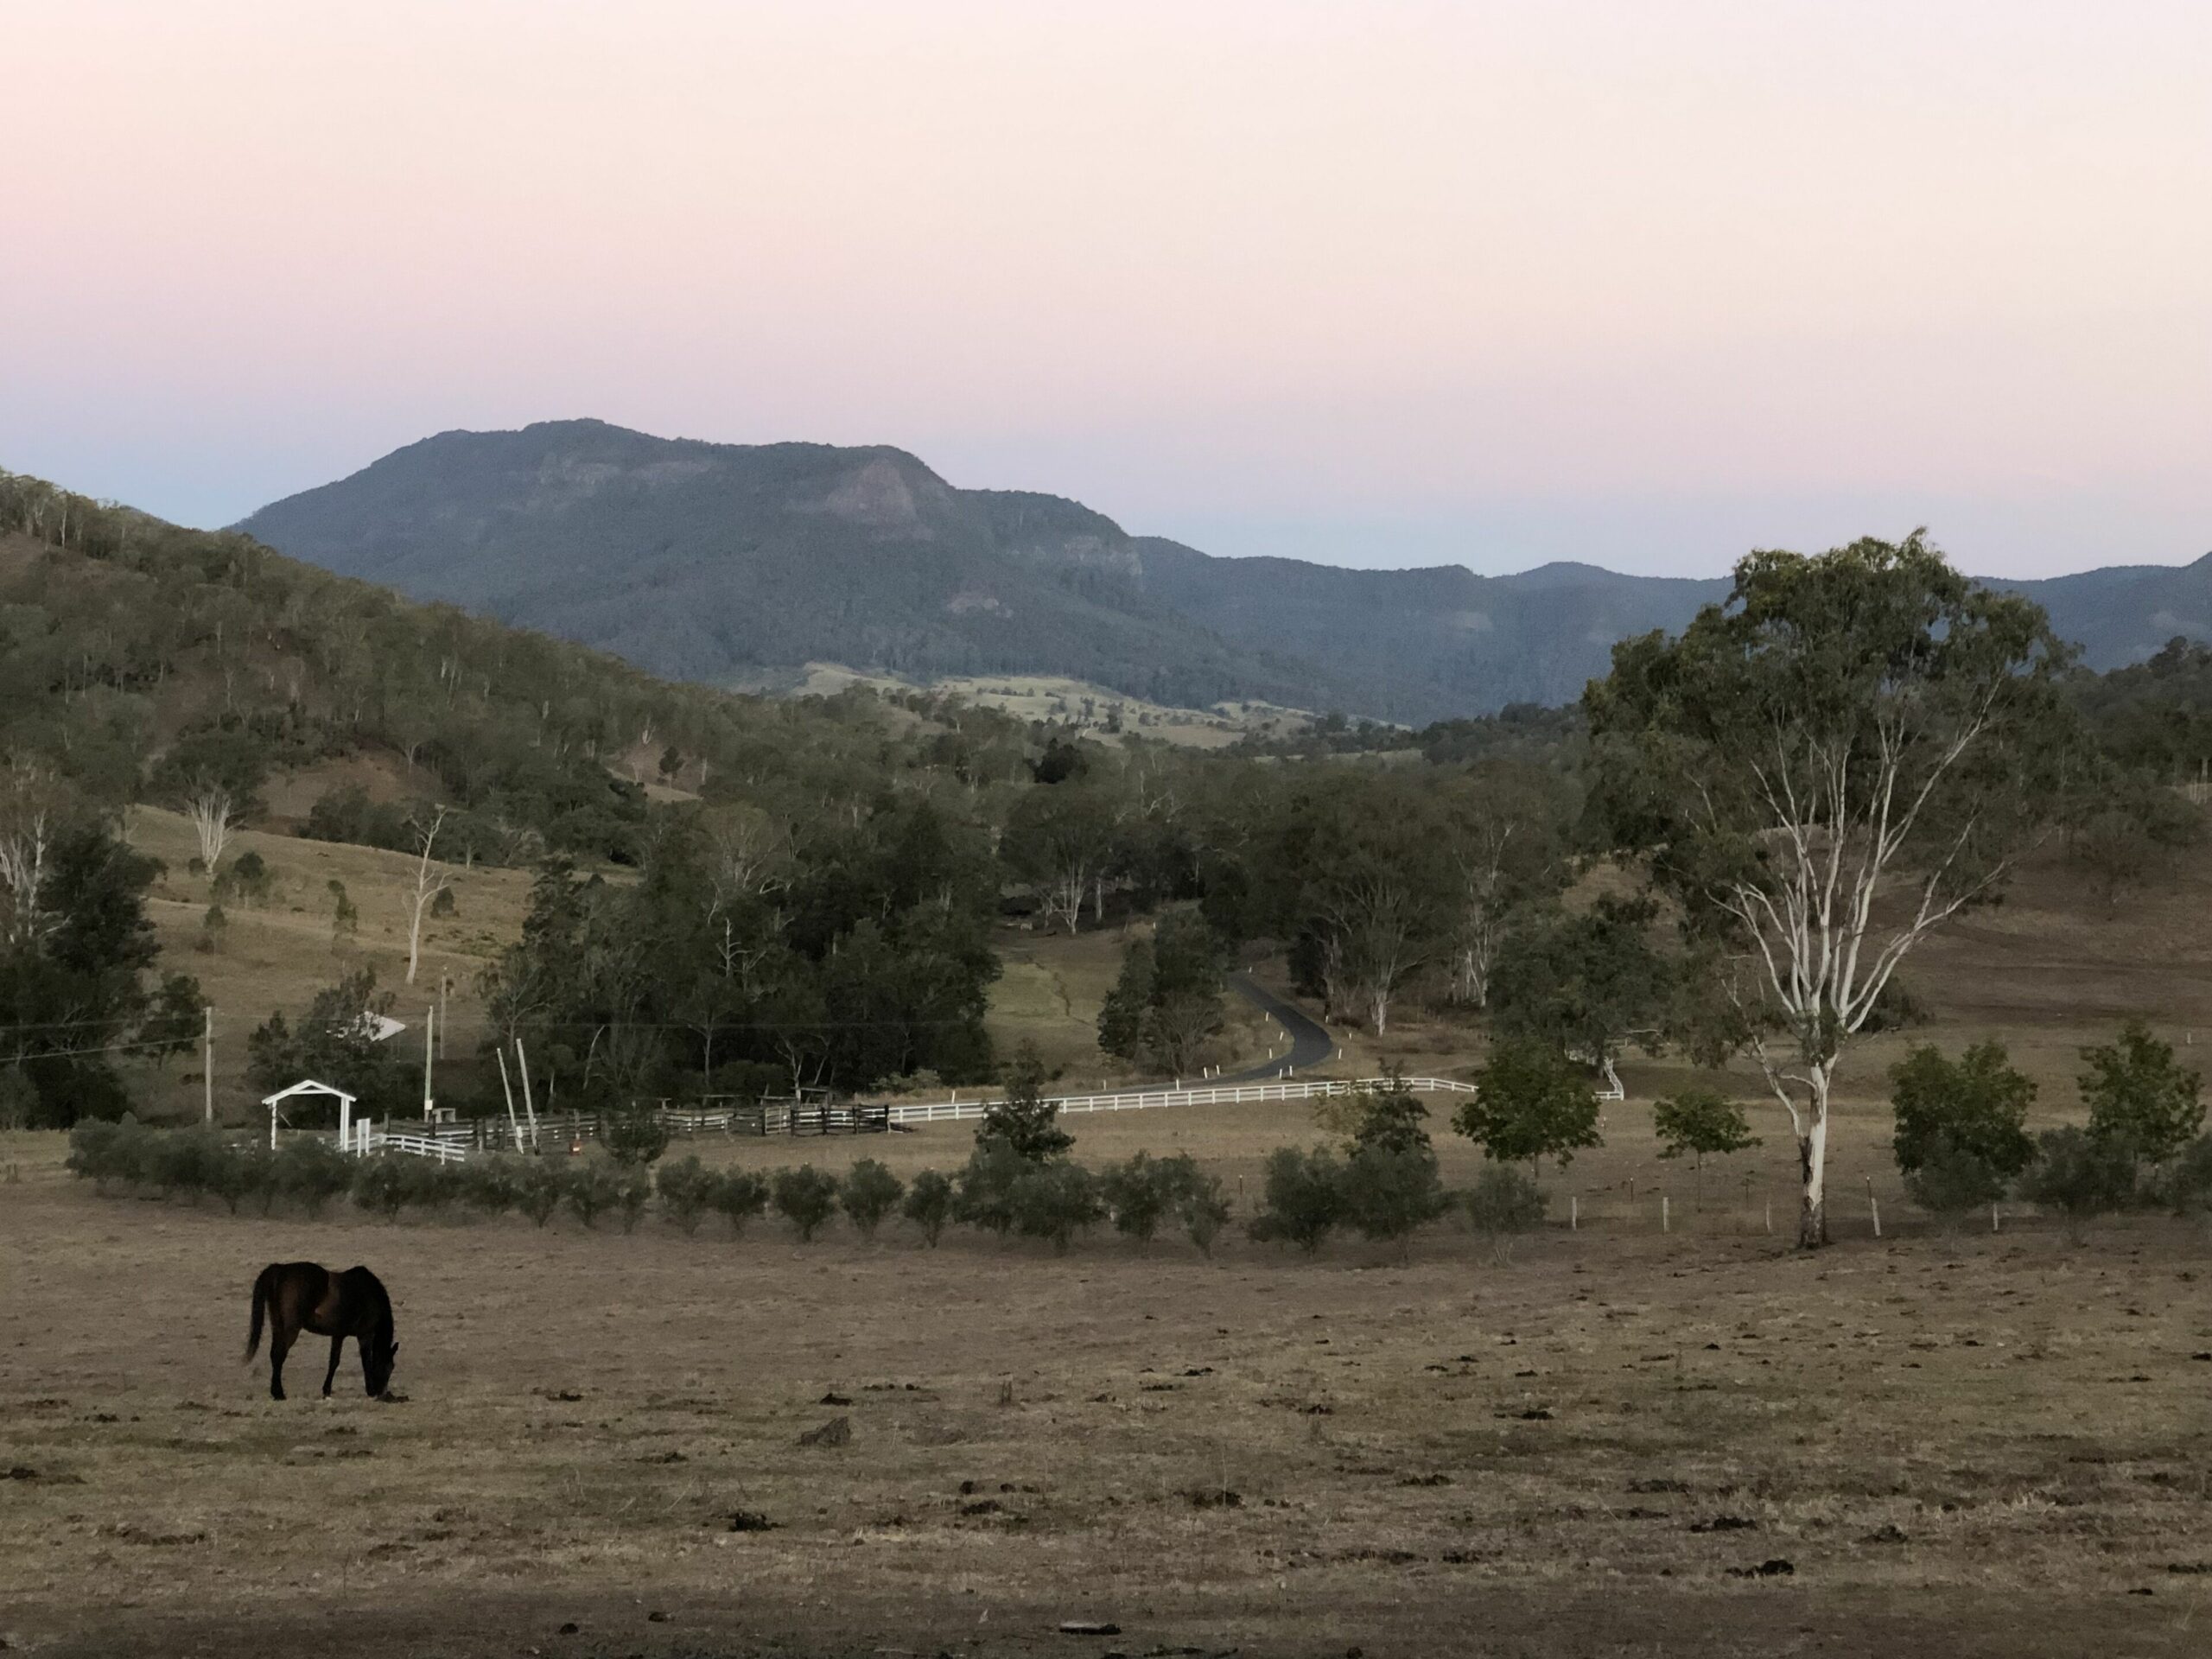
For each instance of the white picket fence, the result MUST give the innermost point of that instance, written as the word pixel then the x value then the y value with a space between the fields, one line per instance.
pixel 453 1144
pixel 1219 1094
pixel 368 1139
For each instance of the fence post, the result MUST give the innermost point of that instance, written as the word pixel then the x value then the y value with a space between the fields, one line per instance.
pixel 1574 1212
pixel 1874 1205
pixel 1666 1215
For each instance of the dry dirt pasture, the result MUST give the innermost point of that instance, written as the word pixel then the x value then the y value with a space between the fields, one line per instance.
pixel 1958 1443
pixel 1616 1443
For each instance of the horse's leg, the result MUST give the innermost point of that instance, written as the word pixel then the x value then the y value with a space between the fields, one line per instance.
pixel 280 1344
pixel 337 1344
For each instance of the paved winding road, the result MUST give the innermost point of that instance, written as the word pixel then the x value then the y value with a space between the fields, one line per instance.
pixel 1309 1042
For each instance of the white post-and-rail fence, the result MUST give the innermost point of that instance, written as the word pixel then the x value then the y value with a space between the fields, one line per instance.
pixel 1219 1094
pixel 453 1142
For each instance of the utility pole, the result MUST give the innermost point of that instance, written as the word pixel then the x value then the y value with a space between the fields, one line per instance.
pixel 208 1064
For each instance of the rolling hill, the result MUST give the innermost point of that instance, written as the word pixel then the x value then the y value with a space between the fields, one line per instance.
pixel 713 561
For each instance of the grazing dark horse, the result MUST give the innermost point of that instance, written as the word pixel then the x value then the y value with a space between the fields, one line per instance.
pixel 301 1296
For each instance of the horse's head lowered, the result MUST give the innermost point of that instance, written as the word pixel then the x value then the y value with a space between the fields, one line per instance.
pixel 379 1351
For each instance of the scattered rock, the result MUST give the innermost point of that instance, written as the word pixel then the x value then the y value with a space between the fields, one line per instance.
pixel 833 1398
pixel 655 1617
pixel 1774 1568
pixel 1215 1498
pixel 749 1521
pixel 1199 1370
pixel 838 1431
pixel 1537 1414
pixel 983 1506
pixel 663 1457
pixel 1658 1484
pixel 570 1629
pixel 20 1471
pixel 2207 1354
pixel 566 1395
pixel 1426 1480
pixel 1725 1524
pixel 1890 1533
pixel 1089 1627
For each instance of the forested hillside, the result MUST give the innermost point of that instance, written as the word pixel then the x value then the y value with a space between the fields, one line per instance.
pixel 714 562
pixel 700 560
pixel 740 895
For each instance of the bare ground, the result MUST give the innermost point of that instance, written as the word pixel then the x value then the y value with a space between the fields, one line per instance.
pixel 1958 1443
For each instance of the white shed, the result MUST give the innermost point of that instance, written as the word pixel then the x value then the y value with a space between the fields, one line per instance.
pixel 309 1086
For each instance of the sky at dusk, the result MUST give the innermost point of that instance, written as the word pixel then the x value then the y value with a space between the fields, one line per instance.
pixel 1374 284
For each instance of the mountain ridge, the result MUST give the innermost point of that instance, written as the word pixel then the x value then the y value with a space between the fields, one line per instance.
pixel 707 561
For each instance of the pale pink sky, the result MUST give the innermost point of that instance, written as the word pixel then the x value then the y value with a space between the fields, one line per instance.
pixel 1381 283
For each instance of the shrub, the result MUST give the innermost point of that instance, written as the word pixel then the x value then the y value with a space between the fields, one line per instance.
pixel 540 1185
pixel 1391 1117
pixel 382 1185
pixel 237 1173
pixel 183 1160
pixel 312 1172
pixel 2141 1100
pixel 806 1197
pixel 867 1194
pixel 986 1187
pixel 1025 1122
pixel 686 1189
pixel 2080 1175
pixel 2188 1183
pixel 1951 1178
pixel 432 1182
pixel 1200 1205
pixel 94 1144
pixel 1303 1200
pixel 1966 1115
pixel 634 1191
pixel 1534 1103
pixel 737 1195
pixel 634 1136
pixel 1387 1192
pixel 1138 1194
pixel 1703 1124
pixel 1056 1201
pixel 493 1183
pixel 595 1184
pixel 929 1204
pixel 18 1099
pixel 1503 1202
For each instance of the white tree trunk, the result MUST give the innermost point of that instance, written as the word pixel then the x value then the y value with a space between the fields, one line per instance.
pixel 1813 1163
pixel 210 811
pixel 429 882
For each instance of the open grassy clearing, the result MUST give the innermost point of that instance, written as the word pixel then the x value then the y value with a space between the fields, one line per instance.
pixel 275 955
pixel 1075 704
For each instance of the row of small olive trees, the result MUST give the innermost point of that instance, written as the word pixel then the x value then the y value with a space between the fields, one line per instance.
pixel 996 1191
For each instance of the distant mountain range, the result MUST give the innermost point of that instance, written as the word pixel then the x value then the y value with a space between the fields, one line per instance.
pixel 714 562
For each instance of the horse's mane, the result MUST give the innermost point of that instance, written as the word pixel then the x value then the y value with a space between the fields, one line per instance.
pixel 380 1302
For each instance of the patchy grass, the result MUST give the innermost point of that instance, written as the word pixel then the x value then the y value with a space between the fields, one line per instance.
pixel 276 954
pixel 1262 1452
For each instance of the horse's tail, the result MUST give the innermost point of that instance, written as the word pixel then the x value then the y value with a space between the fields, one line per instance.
pixel 263 1290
